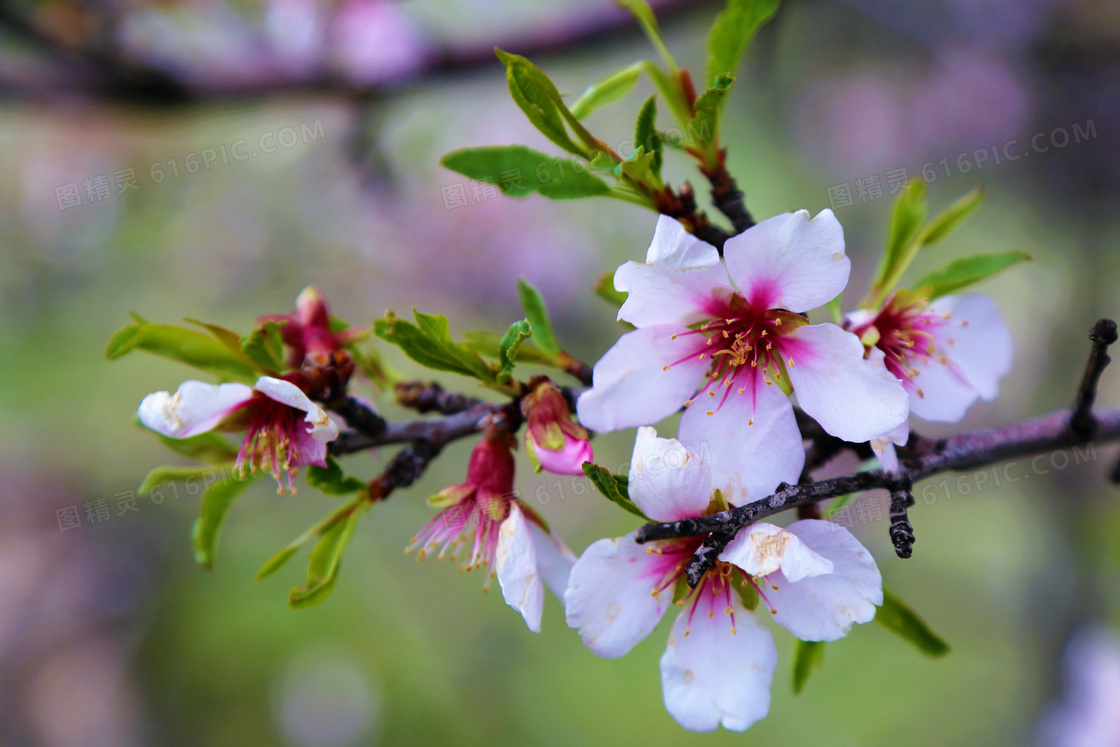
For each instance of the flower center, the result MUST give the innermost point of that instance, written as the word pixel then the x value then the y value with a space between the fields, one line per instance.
pixel 712 596
pixel 272 440
pixel 905 331
pixel 467 524
pixel 744 345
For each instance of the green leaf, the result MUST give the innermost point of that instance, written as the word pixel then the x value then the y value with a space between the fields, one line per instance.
pixel 613 487
pixel 838 504
pixel 518 333
pixel 537 313
pixel 807 656
pixel 159 475
pixel 641 10
pixel 519 171
pixel 331 480
pixel 965 272
pixel 907 216
pixel 610 89
pixel 646 134
pixel 489 345
pixel 896 617
pixel 604 289
pixel 670 88
pixel 280 559
pixel 206 447
pixel 265 347
pixel 180 344
pixel 429 343
pixel 952 217
pixel 537 96
pixel 732 32
pixel 704 127
pixel 322 567
pixel 227 337
pixel 639 167
pixel 212 512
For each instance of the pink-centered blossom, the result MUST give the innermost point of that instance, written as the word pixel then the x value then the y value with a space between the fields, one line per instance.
pixel 552 440
pixel 947 353
pixel 813 576
pixel 728 341
pixel 284 429
pixel 483 519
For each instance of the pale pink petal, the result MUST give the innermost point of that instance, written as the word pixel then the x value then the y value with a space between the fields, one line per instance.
pixel 712 676
pixel 194 408
pixel 974 351
pixel 789 261
pixel 569 460
pixel 631 384
pixel 554 560
pixel 678 281
pixel 515 561
pixel 824 608
pixel 322 428
pixel 752 444
pixel 613 598
pixel 762 549
pixel 939 393
pixel 884 446
pixel 852 398
pixel 668 481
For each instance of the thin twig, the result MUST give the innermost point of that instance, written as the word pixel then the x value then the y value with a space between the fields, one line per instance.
pixel 1102 334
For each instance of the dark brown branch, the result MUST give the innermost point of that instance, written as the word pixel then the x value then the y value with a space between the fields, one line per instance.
pixel 358 416
pixel 432 397
pixel 440 430
pixel 1102 334
pixel 961 452
pixel 727 196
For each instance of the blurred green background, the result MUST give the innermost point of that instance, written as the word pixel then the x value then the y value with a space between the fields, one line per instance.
pixel 111 635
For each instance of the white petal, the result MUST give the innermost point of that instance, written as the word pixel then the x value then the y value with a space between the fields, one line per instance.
pixel 554 560
pixel 824 608
pixel 940 393
pixel 194 408
pixel 677 283
pixel 516 566
pixel 713 677
pixel 762 549
pixel 667 481
pixel 751 448
pixel 789 261
pixel 852 398
pixel 977 350
pixel 631 385
pixel 612 598
pixel 323 429
pixel 883 446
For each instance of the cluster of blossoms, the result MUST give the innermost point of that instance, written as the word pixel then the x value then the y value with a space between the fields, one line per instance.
pixel 728 340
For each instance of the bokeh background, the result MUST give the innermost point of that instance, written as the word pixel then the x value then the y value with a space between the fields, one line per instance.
pixel 111 635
